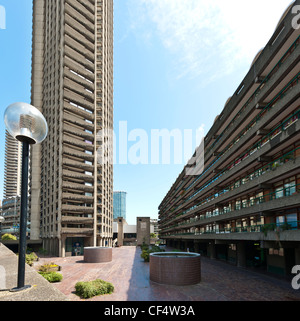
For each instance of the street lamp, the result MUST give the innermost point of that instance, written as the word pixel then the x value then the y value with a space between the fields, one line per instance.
pixel 26 124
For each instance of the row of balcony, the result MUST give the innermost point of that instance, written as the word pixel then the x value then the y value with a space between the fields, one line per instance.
pixel 222 191
pixel 258 145
pixel 236 208
pixel 258 228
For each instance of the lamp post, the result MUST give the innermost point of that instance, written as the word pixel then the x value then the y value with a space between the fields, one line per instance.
pixel 26 124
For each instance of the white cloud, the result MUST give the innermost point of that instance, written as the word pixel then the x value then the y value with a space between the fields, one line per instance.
pixel 204 37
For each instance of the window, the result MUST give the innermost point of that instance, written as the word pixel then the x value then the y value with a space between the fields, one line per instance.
pixel 279 192
pixel 291 219
pixel 290 188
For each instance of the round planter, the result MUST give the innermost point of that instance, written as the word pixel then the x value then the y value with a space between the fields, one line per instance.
pixel 175 268
pixel 97 254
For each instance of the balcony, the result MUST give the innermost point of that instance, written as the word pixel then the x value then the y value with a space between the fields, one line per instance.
pixel 285 197
pixel 288 231
pixel 77 231
pixel 65 208
pixel 77 220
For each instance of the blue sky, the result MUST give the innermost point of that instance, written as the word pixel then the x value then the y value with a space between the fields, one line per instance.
pixel 176 63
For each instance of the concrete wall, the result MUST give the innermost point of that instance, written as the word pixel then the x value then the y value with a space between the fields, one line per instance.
pixel 143 230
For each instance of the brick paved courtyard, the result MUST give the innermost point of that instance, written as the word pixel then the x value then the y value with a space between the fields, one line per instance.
pixel 130 276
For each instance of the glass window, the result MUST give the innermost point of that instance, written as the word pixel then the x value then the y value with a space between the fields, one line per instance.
pixel 290 188
pixel 279 220
pixel 291 219
pixel 279 192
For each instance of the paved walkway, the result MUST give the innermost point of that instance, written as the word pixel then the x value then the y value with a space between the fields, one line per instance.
pixel 130 276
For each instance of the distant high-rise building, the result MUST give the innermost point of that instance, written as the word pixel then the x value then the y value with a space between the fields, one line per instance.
pixel 120 204
pixel 12 166
pixel 12 185
pixel 72 85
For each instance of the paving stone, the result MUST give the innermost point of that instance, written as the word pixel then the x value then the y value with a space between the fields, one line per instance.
pixel 130 276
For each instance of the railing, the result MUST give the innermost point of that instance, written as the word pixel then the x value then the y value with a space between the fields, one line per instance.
pixel 279 193
pixel 259 228
pixel 259 172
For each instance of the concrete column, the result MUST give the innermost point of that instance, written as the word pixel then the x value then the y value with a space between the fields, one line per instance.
pixel 63 246
pixel 241 254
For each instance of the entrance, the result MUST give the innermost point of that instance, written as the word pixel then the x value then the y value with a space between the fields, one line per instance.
pixel 255 255
pixel 75 245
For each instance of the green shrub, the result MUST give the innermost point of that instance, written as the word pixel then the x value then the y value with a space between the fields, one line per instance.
pixel 144 247
pixel 145 255
pixel 30 258
pixel 146 252
pixel 92 288
pixel 8 237
pixel 52 276
pixel 48 267
pixel 43 251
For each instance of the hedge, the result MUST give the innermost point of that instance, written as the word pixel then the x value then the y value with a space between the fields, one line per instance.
pixel 92 288
pixel 52 276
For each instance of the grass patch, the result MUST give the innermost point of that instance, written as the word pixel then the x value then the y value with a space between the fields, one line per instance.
pixel 93 288
pixel 51 277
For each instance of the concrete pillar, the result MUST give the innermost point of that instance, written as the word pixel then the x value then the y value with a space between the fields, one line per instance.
pixel 63 246
pixel 241 254
pixel 120 221
pixel 143 230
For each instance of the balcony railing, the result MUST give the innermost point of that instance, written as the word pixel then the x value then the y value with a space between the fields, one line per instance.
pixel 259 228
pixel 257 173
pixel 279 193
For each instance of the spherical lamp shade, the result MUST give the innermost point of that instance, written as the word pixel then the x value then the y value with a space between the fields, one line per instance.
pixel 25 123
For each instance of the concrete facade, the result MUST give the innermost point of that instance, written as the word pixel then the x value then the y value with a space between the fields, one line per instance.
pixel 244 207
pixel 143 230
pixel 72 85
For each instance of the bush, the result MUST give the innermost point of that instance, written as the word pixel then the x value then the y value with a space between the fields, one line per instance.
pixel 43 251
pixel 146 252
pixel 8 237
pixel 145 255
pixel 144 247
pixel 92 288
pixel 52 276
pixel 49 267
pixel 30 258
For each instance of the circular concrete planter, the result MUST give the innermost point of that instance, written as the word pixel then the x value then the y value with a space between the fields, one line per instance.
pixel 97 254
pixel 175 268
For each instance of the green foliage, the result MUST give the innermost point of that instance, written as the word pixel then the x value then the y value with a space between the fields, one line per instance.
pixel 52 276
pixel 43 251
pixel 145 255
pixel 48 267
pixel 146 252
pixel 8 237
pixel 30 258
pixel 92 288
